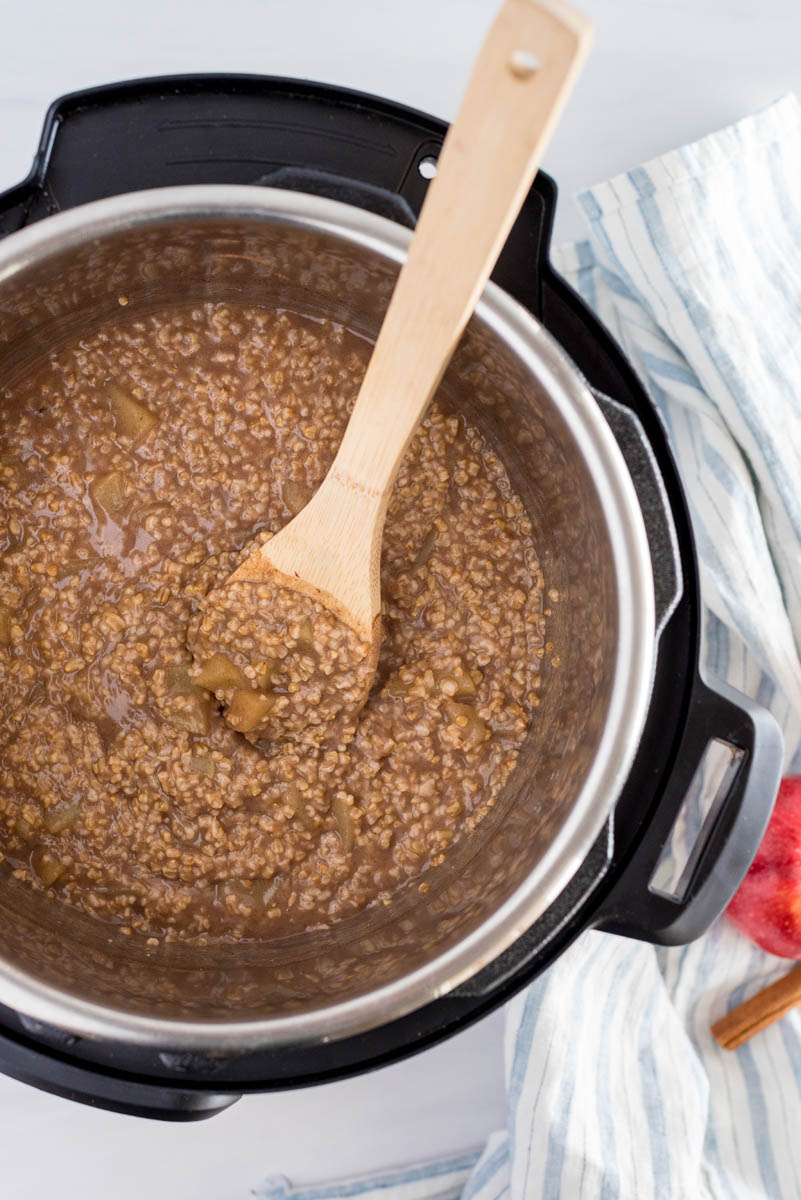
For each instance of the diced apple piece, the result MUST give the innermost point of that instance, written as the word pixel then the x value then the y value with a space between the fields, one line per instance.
pixel 194 715
pixel 424 553
pixel 465 685
pixel 60 817
pixel 459 684
pixel 47 866
pixel 108 491
pixel 306 634
pixel 220 672
pixel 23 827
pixel 251 892
pixel 178 680
pixel 472 728
pixel 265 679
pixel 293 799
pixel 242 891
pixel 132 419
pixel 396 685
pixel 295 496
pixel 249 709
pixel 6 618
pixel 344 820
pixel 203 764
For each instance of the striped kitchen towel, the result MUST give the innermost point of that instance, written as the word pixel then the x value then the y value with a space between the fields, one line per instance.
pixel 615 1088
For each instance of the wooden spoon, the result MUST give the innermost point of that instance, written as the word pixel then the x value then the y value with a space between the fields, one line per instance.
pixel 331 550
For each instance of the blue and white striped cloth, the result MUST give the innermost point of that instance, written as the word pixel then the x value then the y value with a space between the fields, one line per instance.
pixel 615 1088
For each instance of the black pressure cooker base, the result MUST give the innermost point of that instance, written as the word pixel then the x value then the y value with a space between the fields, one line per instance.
pixel 368 152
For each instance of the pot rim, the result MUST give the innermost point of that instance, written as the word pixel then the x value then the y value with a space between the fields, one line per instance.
pixel 633 672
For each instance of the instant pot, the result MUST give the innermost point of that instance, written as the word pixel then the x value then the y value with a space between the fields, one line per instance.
pixel 335 180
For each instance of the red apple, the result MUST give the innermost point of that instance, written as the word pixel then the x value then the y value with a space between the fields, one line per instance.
pixel 767 905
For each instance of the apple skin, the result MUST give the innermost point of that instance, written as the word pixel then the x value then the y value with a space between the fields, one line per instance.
pixel 767 905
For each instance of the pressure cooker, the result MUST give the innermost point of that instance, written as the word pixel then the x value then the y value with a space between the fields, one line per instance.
pixel 302 196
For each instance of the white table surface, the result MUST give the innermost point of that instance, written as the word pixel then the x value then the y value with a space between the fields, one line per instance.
pixel 662 72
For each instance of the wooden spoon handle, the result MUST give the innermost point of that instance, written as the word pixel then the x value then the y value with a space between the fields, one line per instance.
pixel 761 1010
pixel 516 93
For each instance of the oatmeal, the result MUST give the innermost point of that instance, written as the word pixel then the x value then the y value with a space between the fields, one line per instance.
pixel 284 667
pixel 136 465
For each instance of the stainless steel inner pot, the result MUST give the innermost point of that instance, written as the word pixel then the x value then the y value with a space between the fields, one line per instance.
pixel 60 278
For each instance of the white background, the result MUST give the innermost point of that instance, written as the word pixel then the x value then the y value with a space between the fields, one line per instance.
pixel 662 72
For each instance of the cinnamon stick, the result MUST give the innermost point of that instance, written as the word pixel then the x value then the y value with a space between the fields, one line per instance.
pixel 761 1010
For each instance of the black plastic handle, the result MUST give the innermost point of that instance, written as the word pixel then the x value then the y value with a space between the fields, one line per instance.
pixel 731 833
pixel 61 1076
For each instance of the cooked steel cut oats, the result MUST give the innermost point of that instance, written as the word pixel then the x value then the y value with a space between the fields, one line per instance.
pixel 283 666
pixel 136 465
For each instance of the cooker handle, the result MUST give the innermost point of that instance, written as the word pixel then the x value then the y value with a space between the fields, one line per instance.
pixel 60 1076
pixel 731 831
